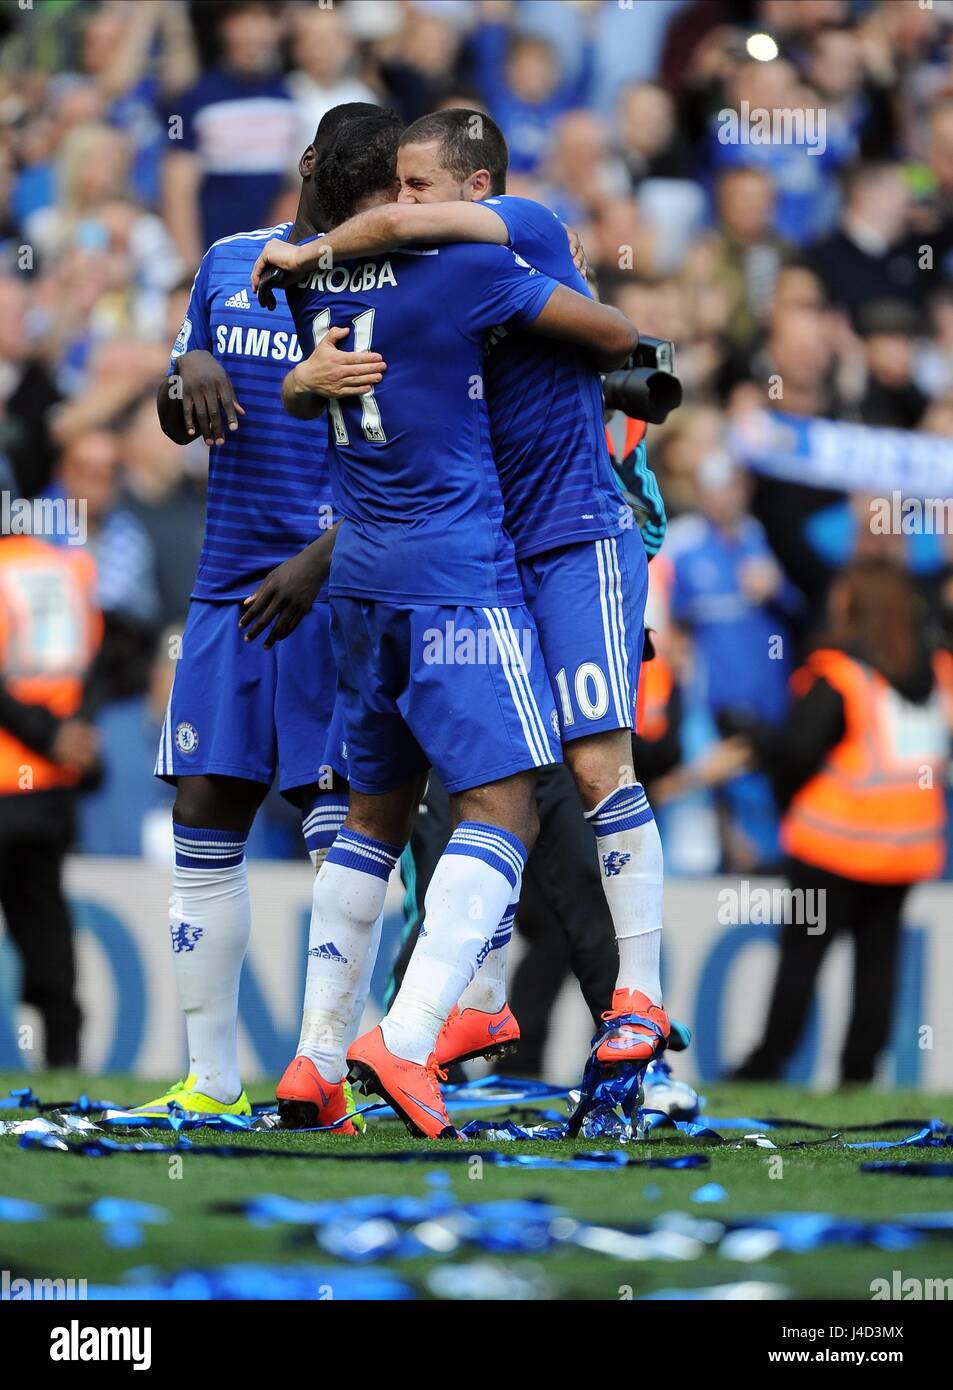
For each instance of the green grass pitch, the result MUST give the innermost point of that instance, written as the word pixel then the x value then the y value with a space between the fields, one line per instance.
pixel 826 1179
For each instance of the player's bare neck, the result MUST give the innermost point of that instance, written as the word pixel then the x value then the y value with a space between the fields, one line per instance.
pixel 301 230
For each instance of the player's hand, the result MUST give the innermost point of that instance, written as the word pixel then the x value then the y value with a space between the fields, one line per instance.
pixel 277 255
pixel 76 744
pixel 578 252
pixel 208 397
pixel 330 372
pixel 287 594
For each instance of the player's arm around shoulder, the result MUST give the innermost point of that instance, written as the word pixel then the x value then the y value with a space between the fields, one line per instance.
pixel 439 223
pixel 382 229
pixel 602 331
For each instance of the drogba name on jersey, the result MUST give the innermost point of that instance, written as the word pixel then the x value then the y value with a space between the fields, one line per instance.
pixel 411 463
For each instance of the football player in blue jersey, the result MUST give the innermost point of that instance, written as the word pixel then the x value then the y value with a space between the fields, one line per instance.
pixel 438 663
pixel 240 716
pixel 582 563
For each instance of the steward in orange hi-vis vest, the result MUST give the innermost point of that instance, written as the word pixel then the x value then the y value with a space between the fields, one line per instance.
pixel 50 631
pixel 874 811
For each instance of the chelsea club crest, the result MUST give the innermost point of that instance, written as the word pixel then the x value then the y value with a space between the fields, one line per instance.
pixel 186 739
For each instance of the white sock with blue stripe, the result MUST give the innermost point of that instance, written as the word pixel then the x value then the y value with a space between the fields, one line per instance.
pixel 349 893
pixel 364 984
pixel 321 822
pixel 475 879
pixel 487 990
pixel 320 825
pixel 210 918
pixel 630 858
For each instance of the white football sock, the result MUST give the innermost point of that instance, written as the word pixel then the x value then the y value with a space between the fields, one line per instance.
pixel 320 824
pixel 639 960
pixel 364 984
pixel 210 918
pixel 349 893
pixel 487 990
pixel 475 878
pixel 630 856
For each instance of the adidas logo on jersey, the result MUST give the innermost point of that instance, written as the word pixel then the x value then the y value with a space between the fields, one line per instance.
pixel 238 301
pixel 328 952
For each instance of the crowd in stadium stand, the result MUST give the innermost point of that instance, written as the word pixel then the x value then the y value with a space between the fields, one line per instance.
pixel 792 278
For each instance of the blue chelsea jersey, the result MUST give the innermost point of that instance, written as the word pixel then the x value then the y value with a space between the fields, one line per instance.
pixel 268 487
pixel 546 414
pixel 412 465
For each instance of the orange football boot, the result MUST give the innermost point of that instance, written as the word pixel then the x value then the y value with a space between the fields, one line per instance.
pixel 474 1033
pixel 409 1088
pixel 306 1100
pixel 640 1040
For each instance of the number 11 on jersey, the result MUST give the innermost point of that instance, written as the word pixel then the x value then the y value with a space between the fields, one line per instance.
pixel 363 329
